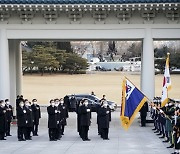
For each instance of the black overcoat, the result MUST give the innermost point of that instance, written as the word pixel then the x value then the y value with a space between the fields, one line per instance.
pixel 2 119
pixel 52 117
pixel 104 117
pixel 85 116
pixel 36 113
pixel 21 117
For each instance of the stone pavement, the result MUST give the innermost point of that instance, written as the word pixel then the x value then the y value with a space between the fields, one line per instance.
pixel 137 140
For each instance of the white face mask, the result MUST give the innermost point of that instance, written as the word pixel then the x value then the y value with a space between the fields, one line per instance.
pixel 21 105
pixel 35 103
pixel 3 104
pixel 7 103
pixel 62 102
pixel 53 104
pixel 56 104
pixel 166 105
pixel 170 104
pixel 105 105
pixel 86 103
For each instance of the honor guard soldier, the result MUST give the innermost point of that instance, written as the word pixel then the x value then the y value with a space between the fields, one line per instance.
pixel 2 120
pixel 29 124
pixel 21 121
pixel 52 120
pixel 9 115
pixel 176 132
pixel 104 119
pixel 85 116
pixel 36 112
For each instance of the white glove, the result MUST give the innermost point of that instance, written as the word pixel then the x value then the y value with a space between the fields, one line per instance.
pixel 88 110
pixel 57 122
pixel 107 112
pixel 55 111
pixel 26 121
pixel 24 111
pixel 178 140
pixel 161 111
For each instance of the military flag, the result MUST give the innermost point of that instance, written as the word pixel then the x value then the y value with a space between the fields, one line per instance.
pixel 132 101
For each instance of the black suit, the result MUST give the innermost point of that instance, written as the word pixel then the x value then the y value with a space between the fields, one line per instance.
pixel 21 122
pixel 104 119
pixel 2 122
pixel 29 124
pixel 9 115
pixel 63 116
pixel 36 113
pixel 52 122
pixel 85 122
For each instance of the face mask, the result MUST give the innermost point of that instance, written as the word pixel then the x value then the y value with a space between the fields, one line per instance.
pixel 27 104
pixel 7 103
pixel 170 104
pixel 56 104
pixel 166 105
pixel 62 102
pixel 86 103
pixel 105 105
pixel 53 104
pixel 34 103
pixel 3 104
pixel 21 105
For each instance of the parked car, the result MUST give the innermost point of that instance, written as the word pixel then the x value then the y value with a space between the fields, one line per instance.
pixel 93 101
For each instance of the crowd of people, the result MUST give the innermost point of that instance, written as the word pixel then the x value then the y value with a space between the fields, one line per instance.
pixel 167 122
pixel 28 116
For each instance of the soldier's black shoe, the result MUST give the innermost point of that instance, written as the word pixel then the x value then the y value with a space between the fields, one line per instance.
pixel 166 141
pixel 52 140
pixel 171 146
pixel 2 139
pixel 9 135
pixel 162 137
pixel 156 131
pixel 105 138
pixel 88 139
pixel 21 140
pixel 159 134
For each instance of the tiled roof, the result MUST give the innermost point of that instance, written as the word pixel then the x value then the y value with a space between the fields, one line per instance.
pixel 85 1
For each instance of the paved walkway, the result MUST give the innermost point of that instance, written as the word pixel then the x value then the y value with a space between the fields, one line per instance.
pixel 137 140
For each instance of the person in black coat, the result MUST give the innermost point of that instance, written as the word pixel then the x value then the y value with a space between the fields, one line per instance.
pixel 104 119
pixel 73 104
pixel 52 121
pixel 85 116
pixel 59 129
pixel 2 120
pixel 67 102
pixel 79 117
pixel 21 121
pixel 9 115
pixel 29 124
pixel 63 115
pixel 97 109
pixel 143 114
pixel 36 113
